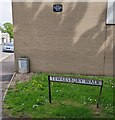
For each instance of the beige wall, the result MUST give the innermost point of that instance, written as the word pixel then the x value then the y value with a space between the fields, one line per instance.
pixel 109 51
pixel 114 51
pixel 74 41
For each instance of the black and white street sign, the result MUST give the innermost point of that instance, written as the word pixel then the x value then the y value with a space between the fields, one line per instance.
pixel 76 80
pixel 73 80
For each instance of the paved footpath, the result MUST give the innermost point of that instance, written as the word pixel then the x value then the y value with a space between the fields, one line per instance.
pixel 7 69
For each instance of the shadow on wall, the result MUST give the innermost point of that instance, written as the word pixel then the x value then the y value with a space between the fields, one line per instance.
pixel 53 38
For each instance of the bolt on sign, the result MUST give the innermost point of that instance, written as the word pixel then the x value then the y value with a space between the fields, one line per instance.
pixel 73 80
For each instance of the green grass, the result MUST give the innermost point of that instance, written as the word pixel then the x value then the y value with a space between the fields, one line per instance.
pixel 30 99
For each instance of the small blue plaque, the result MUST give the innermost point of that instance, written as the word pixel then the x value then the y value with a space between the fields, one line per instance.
pixel 57 8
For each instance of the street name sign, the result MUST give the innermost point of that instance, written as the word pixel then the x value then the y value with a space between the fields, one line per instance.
pixel 74 80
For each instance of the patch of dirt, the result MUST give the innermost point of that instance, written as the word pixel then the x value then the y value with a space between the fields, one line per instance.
pixel 21 78
pixel 96 111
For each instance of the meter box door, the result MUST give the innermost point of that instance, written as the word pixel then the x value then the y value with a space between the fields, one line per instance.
pixel 23 65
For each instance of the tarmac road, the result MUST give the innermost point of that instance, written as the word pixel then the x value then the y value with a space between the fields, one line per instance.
pixel 6 65
pixel 7 68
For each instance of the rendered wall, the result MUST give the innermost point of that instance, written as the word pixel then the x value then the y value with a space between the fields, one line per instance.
pixel 74 41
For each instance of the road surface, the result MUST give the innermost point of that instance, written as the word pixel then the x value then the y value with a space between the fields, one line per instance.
pixel 6 65
pixel 7 69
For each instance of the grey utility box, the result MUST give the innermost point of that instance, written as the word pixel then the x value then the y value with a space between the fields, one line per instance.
pixel 23 65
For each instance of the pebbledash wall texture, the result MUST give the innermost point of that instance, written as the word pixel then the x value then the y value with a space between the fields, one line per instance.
pixel 76 40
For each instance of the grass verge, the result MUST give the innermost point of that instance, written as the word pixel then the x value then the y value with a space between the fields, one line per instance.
pixel 30 99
